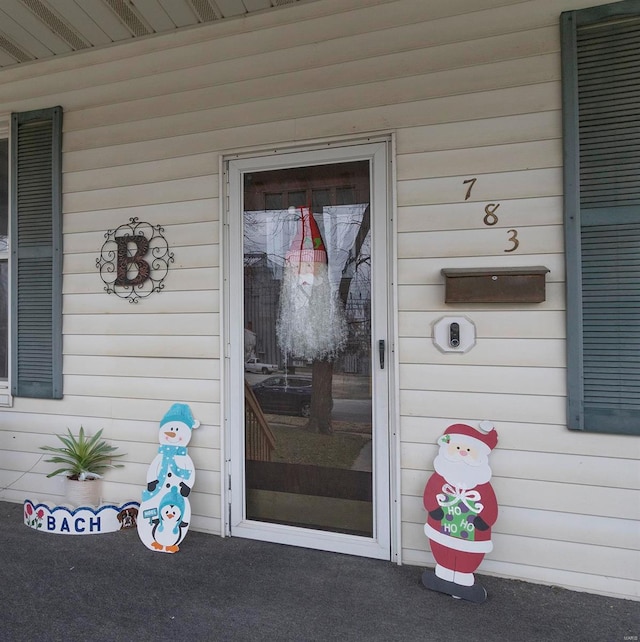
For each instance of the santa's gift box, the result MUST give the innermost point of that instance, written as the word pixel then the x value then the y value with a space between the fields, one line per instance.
pixel 460 509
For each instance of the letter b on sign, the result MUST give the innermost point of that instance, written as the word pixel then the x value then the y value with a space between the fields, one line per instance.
pixel 132 263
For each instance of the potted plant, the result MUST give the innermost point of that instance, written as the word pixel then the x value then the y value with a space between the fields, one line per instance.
pixel 84 460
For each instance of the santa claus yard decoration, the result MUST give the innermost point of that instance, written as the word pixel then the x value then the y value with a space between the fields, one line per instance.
pixel 462 508
pixel 311 323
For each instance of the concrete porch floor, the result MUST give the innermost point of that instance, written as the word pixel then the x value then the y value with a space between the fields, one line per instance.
pixel 109 587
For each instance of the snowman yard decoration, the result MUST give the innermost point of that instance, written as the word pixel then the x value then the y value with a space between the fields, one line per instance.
pixel 461 508
pixel 165 512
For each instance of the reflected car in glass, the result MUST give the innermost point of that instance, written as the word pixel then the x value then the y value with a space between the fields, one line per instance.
pixel 284 395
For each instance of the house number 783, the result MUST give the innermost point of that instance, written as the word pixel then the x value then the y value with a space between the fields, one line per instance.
pixel 490 216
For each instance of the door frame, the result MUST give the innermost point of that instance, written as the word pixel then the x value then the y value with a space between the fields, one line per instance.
pixel 385 543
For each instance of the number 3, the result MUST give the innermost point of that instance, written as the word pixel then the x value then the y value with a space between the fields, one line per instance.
pixel 513 239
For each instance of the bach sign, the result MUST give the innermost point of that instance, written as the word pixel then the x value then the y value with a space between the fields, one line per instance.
pixel 134 260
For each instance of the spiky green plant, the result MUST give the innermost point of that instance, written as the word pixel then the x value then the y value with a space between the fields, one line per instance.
pixel 82 458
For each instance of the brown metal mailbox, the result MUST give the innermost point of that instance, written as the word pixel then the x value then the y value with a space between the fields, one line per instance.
pixel 495 285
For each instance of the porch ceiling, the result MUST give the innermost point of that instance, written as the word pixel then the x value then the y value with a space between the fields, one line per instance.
pixel 38 29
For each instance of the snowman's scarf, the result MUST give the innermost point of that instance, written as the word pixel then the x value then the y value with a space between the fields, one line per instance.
pixel 168 465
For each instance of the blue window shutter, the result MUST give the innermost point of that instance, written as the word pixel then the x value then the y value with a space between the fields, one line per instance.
pixel 36 253
pixel 601 106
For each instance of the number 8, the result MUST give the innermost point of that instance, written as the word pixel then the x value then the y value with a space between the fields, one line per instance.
pixel 491 218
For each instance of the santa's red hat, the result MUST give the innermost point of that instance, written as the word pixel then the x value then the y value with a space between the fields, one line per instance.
pixel 485 434
pixel 307 245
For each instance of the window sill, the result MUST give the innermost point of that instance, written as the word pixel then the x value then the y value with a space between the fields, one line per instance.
pixel 6 400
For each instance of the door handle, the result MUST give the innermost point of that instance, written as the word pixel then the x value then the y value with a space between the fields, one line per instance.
pixel 381 352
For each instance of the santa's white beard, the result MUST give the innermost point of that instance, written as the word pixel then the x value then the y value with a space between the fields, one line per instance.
pixel 311 323
pixel 460 473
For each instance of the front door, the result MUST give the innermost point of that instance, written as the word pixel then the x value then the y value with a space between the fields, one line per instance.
pixel 307 363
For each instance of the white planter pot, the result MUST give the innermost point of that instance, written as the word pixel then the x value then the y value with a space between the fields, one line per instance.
pixel 83 493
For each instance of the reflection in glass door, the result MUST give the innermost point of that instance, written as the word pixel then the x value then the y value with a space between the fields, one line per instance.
pixel 307 316
pixel 310 376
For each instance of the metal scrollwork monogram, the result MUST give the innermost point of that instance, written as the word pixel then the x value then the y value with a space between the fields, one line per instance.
pixel 134 260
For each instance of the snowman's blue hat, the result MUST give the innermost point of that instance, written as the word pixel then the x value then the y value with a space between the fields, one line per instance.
pixel 182 413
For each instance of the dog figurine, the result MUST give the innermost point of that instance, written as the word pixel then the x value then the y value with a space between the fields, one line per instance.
pixel 128 518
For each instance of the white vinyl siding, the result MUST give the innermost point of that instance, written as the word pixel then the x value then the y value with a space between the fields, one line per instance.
pixel 470 89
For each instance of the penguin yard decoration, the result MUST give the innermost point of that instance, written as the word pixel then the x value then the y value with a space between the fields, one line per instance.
pixel 165 513
pixel 461 508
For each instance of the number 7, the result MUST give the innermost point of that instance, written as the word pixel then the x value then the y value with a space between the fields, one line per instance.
pixel 473 182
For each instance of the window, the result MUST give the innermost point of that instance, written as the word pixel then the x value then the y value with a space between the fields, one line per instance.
pixel 601 79
pixel 35 244
pixel 4 263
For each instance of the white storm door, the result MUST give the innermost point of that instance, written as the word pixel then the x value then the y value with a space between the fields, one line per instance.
pixel 307 357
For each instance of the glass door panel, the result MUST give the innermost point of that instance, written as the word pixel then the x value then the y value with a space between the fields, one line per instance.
pixel 306 246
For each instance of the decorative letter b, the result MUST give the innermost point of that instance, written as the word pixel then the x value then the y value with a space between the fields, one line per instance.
pixel 125 261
